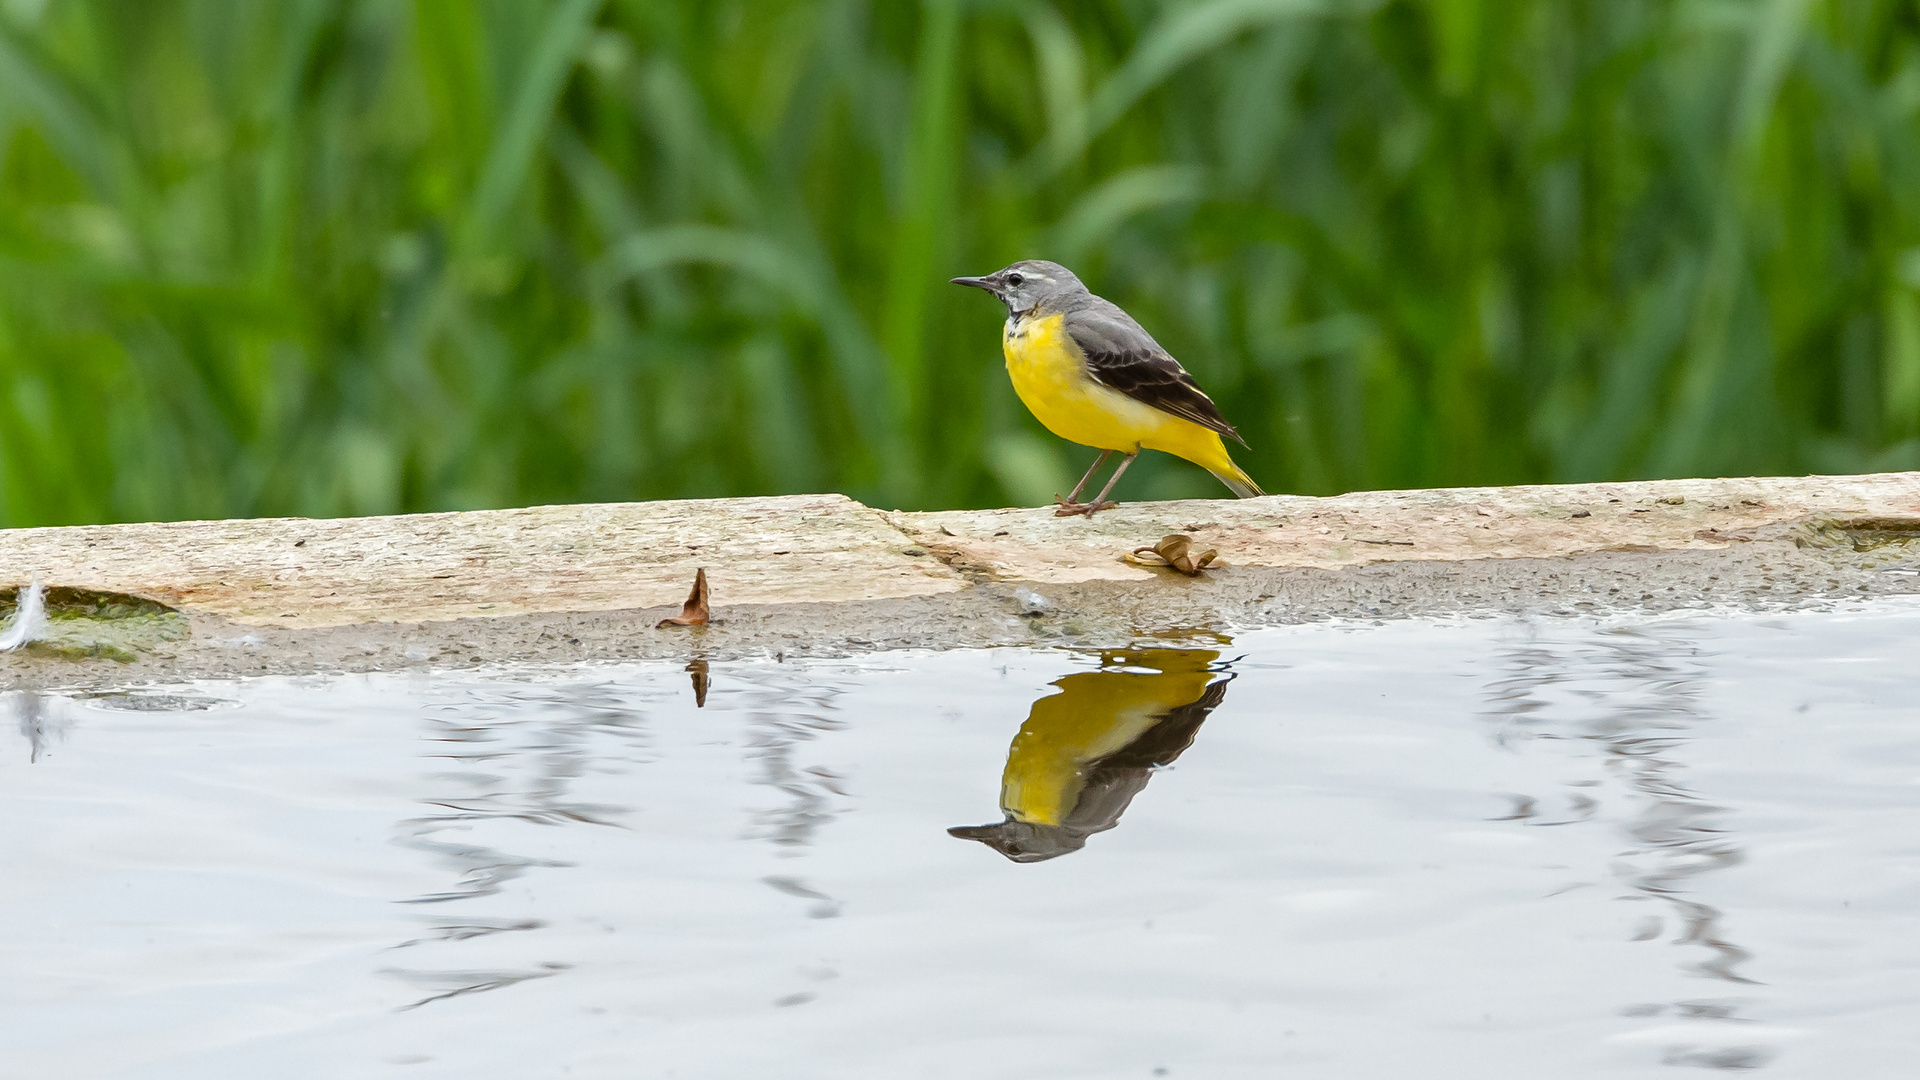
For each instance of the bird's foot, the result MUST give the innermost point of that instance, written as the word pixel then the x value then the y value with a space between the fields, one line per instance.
pixel 1074 509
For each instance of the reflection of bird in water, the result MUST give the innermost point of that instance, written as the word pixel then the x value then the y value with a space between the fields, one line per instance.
pixel 1085 752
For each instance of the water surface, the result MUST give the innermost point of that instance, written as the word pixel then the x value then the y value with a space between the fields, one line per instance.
pixel 1438 849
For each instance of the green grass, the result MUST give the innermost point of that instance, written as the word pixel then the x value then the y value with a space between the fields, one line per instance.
pixel 324 257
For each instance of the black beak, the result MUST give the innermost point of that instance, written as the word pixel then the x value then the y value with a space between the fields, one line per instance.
pixel 991 283
pixel 982 833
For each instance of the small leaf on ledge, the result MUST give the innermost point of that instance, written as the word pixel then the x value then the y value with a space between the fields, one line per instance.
pixel 1174 551
pixel 694 613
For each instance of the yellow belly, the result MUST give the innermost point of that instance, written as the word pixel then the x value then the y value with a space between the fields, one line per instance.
pixel 1050 375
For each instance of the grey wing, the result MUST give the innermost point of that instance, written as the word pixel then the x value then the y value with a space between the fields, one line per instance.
pixel 1124 357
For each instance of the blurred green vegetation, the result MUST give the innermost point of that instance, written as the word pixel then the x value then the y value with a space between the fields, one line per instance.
pixel 332 257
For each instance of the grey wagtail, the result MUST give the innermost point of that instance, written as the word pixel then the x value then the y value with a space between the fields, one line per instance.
pixel 1089 373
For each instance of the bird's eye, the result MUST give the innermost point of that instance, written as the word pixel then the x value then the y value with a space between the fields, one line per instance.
pixel 1016 279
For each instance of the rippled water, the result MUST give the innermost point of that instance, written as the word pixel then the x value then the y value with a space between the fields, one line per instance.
pixel 1473 849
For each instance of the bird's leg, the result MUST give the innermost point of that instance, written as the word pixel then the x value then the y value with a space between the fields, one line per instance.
pixel 1100 501
pixel 1072 502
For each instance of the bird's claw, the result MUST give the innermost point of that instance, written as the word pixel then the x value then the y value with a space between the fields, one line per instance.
pixel 1074 509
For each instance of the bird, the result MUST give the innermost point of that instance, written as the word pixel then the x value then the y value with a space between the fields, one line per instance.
pixel 1085 752
pixel 1091 375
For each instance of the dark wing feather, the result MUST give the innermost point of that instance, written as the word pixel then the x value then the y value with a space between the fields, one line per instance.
pixel 1124 357
pixel 1170 736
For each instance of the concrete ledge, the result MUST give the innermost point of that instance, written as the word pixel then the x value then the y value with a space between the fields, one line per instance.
pixel 824 574
pixel 304 573
pixel 1444 525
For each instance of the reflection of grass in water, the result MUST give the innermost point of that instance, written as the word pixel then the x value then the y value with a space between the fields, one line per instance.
pixel 332 258
pixel 83 624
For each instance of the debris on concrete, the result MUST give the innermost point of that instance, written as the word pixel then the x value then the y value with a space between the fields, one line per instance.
pixel 1175 551
pixel 694 611
pixel 1031 603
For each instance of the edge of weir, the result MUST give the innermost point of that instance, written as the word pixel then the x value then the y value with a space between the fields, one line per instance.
pixel 826 575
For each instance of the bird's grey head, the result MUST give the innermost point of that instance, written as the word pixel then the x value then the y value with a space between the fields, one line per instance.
pixel 1028 284
pixel 1024 842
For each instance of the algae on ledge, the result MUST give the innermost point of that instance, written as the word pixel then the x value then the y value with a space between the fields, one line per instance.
pixel 84 624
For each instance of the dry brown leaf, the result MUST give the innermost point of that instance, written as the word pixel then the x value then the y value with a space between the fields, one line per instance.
pixel 1174 551
pixel 694 613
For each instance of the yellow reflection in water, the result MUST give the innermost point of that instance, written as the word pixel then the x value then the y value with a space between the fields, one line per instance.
pixel 1085 752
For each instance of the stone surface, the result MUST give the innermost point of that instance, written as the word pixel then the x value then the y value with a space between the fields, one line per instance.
pixel 1444 525
pixel 300 572
pixel 824 575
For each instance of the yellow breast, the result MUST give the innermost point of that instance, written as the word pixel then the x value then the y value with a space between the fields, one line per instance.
pixel 1045 366
pixel 1051 378
pixel 1049 373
